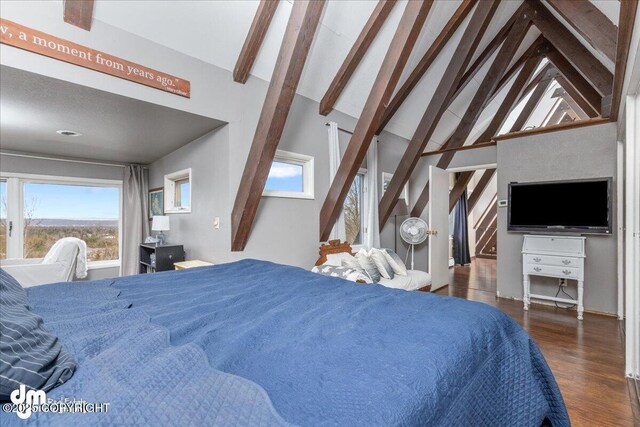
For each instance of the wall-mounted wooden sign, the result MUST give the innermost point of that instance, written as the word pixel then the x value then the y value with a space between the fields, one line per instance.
pixel 19 36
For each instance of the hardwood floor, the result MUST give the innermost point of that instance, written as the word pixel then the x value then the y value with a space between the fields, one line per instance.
pixel 587 358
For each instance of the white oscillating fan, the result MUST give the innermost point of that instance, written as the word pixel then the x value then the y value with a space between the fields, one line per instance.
pixel 414 231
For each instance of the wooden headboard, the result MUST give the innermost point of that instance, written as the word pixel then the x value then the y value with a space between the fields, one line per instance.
pixel 333 247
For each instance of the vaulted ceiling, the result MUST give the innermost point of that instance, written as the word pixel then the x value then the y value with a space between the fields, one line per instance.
pixel 225 24
pixel 443 74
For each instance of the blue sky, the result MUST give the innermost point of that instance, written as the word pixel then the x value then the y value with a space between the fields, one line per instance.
pixel 69 201
pixel 285 177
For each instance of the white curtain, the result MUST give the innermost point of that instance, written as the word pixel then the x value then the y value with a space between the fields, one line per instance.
pixel 135 221
pixel 338 231
pixel 372 223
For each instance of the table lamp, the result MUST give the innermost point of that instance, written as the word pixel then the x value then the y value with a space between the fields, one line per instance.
pixel 160 223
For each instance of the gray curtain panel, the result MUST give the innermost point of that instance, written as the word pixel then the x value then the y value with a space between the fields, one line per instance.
pixel 135 220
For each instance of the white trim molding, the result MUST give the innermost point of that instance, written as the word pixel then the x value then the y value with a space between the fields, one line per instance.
pixel 307 164
pixel 632 238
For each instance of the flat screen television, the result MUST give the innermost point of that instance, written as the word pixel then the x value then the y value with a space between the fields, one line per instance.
pixel 578 206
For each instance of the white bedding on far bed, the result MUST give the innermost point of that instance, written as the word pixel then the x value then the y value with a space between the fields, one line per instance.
pixel 415 279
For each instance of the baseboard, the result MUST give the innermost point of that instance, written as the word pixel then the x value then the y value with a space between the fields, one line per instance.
pixel 550 304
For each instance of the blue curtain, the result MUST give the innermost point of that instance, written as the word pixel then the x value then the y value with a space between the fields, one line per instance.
pixel 461 253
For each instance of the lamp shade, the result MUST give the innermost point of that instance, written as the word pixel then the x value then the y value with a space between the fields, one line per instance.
pixel 400 209
pixel 160 223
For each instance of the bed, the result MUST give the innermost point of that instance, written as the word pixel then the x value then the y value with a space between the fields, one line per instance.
pixel 257 343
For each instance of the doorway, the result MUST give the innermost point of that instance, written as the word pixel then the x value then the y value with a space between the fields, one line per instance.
pixel 473 227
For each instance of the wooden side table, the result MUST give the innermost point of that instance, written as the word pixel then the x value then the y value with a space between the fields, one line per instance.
pixel 191 264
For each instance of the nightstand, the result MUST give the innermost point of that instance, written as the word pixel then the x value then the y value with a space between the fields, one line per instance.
pixel 159 257
pixel 183 265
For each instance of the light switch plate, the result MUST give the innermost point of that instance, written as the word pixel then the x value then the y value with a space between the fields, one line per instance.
pixel 216 223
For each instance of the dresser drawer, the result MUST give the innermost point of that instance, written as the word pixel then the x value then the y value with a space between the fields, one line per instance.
pixel 553 271
pixel 552 260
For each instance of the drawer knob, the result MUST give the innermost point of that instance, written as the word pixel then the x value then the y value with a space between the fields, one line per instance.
pixel 567 272
pixel 536 259
pixel 538 269
pixel 566 261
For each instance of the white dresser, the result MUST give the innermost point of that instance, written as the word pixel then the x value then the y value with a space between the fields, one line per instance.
pixel 553 256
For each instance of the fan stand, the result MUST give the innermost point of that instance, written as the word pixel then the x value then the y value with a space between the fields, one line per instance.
pixel 407 257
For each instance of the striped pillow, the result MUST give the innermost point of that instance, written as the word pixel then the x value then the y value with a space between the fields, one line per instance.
pixel 30 354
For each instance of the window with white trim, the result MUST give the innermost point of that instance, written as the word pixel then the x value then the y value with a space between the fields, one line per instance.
pixel 354 209
pixel 177 192
pixel 37 211
pixel 291 176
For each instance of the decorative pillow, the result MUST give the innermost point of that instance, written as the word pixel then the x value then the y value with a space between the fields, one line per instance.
pixel 368 265
pixel 351 274
pixel 381 263
pixel 30 354
pixel 336 259
pixel 395 262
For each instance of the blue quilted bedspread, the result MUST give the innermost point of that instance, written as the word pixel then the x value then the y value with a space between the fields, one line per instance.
pixel 256 343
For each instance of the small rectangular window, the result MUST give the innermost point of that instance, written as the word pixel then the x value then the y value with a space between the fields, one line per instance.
pixel 291 175
pixel 177 190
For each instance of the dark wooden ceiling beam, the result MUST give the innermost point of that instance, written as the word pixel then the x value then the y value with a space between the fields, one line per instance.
pixel 487 52
pixel 464 178
pixel 402 44
pixel 576 79
pixel 538 49
pixel 251 47
pixel 440 100
pixel 553 30
pixel 299 33
pixel 537 78
pixel 577 97
pixel 425 62
pixel 355 55
pixel 510 100
pixel 487 87
pixel 533 100
pixel 590 23
pixel 478 190
pixel 78 13
pixel 628 10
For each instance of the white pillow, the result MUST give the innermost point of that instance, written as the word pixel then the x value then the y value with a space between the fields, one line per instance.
pixel 381 263
pixel 368 265
pixel 395 261
pixel 336 259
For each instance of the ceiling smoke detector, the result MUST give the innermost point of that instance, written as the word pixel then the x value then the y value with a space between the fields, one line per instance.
pixel 66 132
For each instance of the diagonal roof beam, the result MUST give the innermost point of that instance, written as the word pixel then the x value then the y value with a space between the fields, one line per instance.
pixel 78 13
pixel 590 23
pixel 479 188
pixel 459 188
pixel 592 69
pixel 488 85
pixel 251 47
pixel 575 78
pixel 473 69
pixel 406 35
pixel 439 102
pixel 300 31
pixel 628 10
pixel 577 97
pixel 355 55
pixel 534 99
pixel 510 100
pixel 427 59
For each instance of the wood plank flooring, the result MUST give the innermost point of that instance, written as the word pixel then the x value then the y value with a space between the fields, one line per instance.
pixel 587 358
